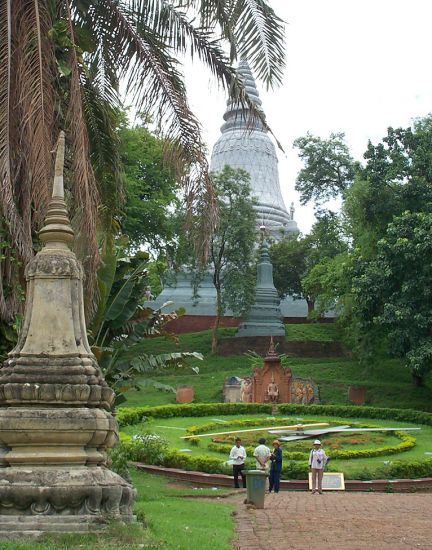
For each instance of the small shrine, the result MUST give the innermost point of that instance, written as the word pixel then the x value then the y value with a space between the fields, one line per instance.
pixel 272 383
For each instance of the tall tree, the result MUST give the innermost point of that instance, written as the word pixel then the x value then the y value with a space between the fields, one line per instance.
pixel 232 246
pixel 61 62
pixel 296 259
pixel 151 192
pixel 328 167
pixel 389 209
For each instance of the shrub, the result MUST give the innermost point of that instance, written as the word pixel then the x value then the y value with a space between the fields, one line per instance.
pixel 118 459
pixel 147 447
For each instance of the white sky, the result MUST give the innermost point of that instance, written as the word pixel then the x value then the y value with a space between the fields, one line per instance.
pixel 352 66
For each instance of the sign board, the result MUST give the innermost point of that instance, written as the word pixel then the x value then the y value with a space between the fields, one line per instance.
pixel 332 481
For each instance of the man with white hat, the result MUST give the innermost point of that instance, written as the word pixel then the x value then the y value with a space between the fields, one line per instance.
pixel 317 462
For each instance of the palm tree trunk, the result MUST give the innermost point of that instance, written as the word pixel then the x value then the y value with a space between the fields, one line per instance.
pixel 216 324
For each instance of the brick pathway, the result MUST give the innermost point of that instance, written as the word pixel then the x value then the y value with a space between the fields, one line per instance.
pixel 351 521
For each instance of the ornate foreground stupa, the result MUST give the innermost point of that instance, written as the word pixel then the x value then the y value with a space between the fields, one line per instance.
pixel 245 143
pixel 55 406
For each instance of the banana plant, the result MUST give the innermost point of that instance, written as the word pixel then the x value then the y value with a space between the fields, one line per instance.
pixel 122 323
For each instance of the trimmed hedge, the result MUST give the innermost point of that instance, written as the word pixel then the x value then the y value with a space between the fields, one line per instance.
pixel 135 415
pixel 405 415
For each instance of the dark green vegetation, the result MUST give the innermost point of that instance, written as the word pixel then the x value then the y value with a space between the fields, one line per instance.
pixel 378 280
pixel 171 522
pixel 388 382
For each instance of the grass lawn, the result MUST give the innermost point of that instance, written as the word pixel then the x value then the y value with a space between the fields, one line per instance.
pixel 388 383
pixel 172 429
pixel 171 523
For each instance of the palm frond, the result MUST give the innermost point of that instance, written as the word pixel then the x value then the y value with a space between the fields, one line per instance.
pixel 85 188
pixel 260 37
pixel 158 89
pixel 147 363
pixel 100 103
pixel 20 238
pixel 35 98
pixel 252 29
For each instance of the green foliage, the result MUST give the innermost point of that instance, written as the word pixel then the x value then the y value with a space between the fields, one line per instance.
pixel 232 247
pixel 147 447
pixel 407 442
pixel 328 167
pixel 150 189
pixel 411 469
pixel 231 257
pixel 387 290
pixel 390 213
pixel 121 322
pixel 118 461
pixel 300 262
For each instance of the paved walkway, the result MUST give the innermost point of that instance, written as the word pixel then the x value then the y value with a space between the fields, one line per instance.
pixel 351 521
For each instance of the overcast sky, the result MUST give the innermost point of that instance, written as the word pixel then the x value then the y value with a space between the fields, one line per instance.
pixel 352 66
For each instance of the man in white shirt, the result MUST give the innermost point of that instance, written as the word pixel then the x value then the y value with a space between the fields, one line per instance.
pixel 317 462
pixel 262 455
pixel 238 457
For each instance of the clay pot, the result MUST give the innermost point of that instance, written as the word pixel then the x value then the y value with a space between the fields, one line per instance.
pixel 184 394
pixel 357 394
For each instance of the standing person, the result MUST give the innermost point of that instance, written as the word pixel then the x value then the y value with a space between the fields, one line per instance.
pixel 317 462
pixel 276 467
pixel 238 457
pixel 262 455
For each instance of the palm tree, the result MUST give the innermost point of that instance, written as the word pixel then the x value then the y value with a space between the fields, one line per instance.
pixel 61 62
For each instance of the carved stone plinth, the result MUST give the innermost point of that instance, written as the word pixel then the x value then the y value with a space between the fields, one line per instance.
pixel 79 491
pixel 55 406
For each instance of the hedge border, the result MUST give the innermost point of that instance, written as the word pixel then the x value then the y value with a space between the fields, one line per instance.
pixel 127 416
pixel 135 415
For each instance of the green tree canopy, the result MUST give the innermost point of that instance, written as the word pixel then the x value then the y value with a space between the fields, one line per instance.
pixel 328 167
pixel 296 259
pixel 150 189
pixel 232 245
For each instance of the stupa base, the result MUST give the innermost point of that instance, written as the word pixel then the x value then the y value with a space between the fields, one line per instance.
pixel 65 499
pixel 17 527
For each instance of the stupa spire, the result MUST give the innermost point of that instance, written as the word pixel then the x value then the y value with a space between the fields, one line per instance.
pixel 264 318
pixel 57 231
pixel 245 143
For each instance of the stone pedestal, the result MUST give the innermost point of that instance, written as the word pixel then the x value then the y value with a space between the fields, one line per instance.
pixel 55 406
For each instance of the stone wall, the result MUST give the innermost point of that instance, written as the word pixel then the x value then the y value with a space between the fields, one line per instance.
pixel 197 323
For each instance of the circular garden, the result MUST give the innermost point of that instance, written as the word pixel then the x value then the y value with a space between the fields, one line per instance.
pixel 167 436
